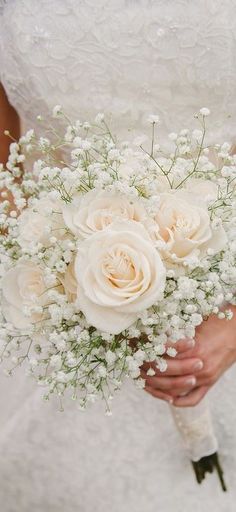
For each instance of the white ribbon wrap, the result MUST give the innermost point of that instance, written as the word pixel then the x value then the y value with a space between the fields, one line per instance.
pixel 196 429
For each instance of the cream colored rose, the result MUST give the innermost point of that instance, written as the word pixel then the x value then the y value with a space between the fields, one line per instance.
pixel 119 273
pixel 40 222
pixel 183 223
pixel 96 210
pixel 23 287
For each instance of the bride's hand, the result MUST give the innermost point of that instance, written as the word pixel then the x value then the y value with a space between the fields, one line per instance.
pixel 179 377
pixel 216 347
pixel 193 371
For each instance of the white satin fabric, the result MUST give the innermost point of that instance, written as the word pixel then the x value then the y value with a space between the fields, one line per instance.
pixel 128 58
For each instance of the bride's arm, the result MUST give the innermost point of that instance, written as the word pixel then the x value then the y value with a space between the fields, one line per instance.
pixel 9 120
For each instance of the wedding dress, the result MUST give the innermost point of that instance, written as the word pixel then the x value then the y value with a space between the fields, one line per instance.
pixel 127 58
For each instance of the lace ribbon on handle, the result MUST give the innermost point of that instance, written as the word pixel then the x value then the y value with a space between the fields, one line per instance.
pixel 196 429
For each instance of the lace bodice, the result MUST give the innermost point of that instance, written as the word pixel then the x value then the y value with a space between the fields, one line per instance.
pixel 127 58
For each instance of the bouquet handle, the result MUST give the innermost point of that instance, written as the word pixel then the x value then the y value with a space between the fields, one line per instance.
pixel 196 429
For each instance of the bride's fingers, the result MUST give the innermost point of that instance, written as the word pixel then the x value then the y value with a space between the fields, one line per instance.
pixel 159 394
pixel 170 384
pixel 186 348
pixel 176 367
pixel 182 346
pixel 191 399
pixel 181 367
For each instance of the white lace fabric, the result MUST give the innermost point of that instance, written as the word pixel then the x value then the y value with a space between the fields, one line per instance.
pixel 196 429
pixel 127 58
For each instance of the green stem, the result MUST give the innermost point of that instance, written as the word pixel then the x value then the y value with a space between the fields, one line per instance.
pixel 208 465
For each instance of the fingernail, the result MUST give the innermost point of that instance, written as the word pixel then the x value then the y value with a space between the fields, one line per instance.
pixel 191 381
pixel 190 343
pixel 198 365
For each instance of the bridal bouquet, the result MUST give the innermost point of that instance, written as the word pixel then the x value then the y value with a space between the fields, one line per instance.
pixel 112 249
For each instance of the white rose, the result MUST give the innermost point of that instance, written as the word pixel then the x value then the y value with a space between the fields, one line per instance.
pixel 183 224
pixel 96 210
pixel 120 273
pixel 40 222
pixel 23 287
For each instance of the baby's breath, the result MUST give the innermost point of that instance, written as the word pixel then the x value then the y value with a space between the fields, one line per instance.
pixel 78 165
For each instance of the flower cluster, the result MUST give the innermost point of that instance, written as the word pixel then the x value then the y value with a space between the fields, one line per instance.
pixel 110 250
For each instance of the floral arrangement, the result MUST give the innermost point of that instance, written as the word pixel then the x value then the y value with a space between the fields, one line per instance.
pixel 112 249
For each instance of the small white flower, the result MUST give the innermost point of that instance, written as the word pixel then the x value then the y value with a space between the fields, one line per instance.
pixel 153 118
pixel 228 314
pixel 102 371
pixel 86 125
pixel 162 365
pixel 28 137
pixel 139 356
pixel 210 252
pixel 160 349
pixel 197 319
pixel 57 111
pixel 151 372
pixel 205 112
pixel 99 118
pixel 171 352
pixel 110 357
